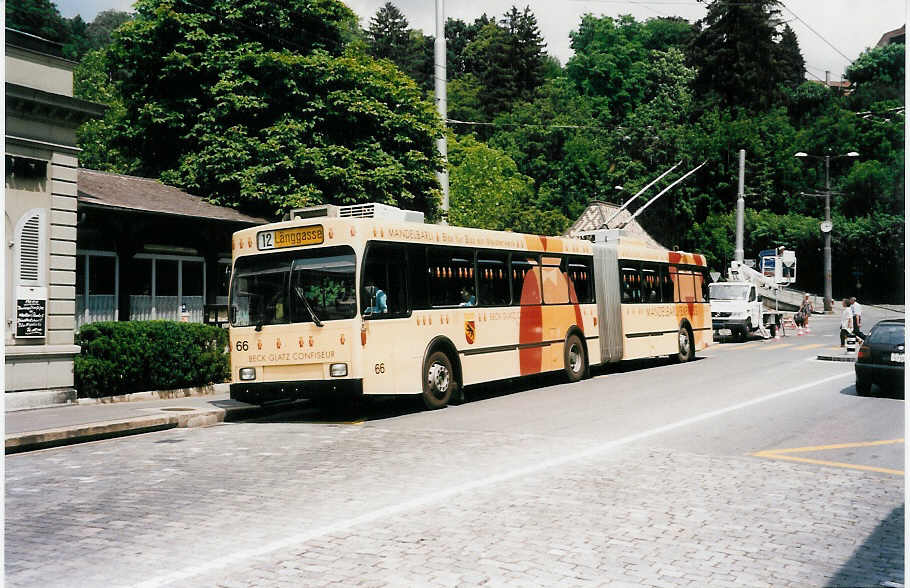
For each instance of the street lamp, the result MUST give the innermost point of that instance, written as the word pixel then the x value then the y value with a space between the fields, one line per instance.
pixel 827 226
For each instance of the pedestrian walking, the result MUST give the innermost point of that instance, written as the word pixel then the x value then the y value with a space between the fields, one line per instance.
pixel 857 310
pixel 806 309
pixel 846 322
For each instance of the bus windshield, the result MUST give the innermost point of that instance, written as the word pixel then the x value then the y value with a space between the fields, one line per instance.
pixel 729 291
pixel 293 287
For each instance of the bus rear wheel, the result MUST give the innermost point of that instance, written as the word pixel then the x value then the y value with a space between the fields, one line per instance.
pixel 439 383
pixel 574 358
pixel 686 345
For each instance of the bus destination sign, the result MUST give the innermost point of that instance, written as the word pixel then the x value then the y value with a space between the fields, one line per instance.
pixel 295 237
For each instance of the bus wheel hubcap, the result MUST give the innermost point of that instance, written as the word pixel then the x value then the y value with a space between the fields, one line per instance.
pixel 684 342
pixel 438 378
pixel 574 358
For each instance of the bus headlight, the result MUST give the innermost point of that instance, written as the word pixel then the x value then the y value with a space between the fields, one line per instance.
pixel 247 373
pixel 338 370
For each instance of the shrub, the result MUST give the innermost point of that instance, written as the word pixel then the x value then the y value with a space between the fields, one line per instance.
pixel 123 357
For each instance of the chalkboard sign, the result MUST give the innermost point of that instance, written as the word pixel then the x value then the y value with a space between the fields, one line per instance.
pixel 30 317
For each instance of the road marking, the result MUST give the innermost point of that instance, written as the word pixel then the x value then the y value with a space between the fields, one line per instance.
pixel 439 496
pixel 785 454
pixel 774 346
pixel 738 347
pixel 812 346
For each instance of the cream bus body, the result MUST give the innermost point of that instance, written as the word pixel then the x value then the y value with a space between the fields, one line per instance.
pixel 495 304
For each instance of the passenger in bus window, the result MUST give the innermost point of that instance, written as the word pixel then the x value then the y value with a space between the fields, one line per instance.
pixel 377 299
pixel 467 298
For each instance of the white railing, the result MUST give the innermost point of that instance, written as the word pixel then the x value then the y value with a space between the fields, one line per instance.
pixel 100 307
pixel 143 307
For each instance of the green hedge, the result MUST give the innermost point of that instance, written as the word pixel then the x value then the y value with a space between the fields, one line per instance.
pixel 123 357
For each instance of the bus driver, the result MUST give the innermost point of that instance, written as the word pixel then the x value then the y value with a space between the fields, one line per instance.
pixel 378 300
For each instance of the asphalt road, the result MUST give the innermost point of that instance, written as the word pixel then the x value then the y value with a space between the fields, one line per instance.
pixel 754 465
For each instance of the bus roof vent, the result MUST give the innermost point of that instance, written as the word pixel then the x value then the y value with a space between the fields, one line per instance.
pixel 313 212
pixel 383 211
pixel 370 210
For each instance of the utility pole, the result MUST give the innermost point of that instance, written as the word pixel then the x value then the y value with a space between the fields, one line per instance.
pixel 439 71
pixel 826 226
pixel 829 305
pixel 741 208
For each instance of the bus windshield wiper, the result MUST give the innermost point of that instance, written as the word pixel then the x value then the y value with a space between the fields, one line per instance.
pixel 309 309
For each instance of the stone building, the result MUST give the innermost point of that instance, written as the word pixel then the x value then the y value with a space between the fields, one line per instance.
pixel 41 166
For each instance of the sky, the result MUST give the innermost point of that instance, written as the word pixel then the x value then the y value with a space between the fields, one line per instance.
pixel 843 29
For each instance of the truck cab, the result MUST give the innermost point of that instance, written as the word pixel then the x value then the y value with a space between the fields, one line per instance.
pixel 736 306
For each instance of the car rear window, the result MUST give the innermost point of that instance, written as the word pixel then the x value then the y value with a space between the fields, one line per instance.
pixel 887 334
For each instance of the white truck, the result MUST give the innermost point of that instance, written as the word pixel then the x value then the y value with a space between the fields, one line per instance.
pixel 743 303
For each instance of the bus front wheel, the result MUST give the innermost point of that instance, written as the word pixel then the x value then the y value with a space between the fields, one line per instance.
pixel 686 344
pixel 439 383
pixel 574 357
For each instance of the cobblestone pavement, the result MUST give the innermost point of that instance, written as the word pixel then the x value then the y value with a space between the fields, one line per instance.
pixel 638 478
pixel 653 517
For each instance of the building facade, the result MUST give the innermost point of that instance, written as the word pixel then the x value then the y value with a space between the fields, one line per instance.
pixel 146 250
pixel 41 166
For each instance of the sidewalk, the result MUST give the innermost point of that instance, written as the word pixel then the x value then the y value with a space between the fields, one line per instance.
pixel 39 428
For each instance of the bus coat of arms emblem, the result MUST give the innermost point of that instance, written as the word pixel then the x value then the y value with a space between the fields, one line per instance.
pixel 469 331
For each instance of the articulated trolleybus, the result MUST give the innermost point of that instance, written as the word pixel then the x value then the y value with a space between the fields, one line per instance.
pixel 334 306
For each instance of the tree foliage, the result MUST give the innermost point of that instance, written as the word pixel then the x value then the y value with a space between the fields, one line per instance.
pixel 43 19
pixel 267 121
pixel 389 37
pixel 200 96
pixel 737 56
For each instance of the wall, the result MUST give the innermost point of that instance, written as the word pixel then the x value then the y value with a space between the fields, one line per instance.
pixel 41 171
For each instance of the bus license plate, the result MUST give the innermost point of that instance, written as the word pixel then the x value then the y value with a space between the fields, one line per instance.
pixel 295 237
pixel 897 357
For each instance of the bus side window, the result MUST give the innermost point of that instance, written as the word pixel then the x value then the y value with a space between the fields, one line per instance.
pixel 493 278
pixel 451 276
pixel 383 292
pixel 673 285
pixel 525 279
pixel 686 286
pixel 699 286
pixel 580 271
pixel 667 289
pixel 630 285
pixel 555 287
pixel 650 283
pixel 418 282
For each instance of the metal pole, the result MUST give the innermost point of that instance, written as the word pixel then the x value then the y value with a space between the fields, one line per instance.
pixel 828 289
pixel 441 104
pixel 741 207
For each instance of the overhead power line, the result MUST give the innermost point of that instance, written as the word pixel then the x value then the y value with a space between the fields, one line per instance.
pixel 820 36
pixel 531 125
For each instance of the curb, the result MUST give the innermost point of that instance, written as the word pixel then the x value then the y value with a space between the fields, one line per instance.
pixel 842 358
pixel 174 417
pixel 173 394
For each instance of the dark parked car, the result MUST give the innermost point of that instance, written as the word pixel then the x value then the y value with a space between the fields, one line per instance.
pixel 881 358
